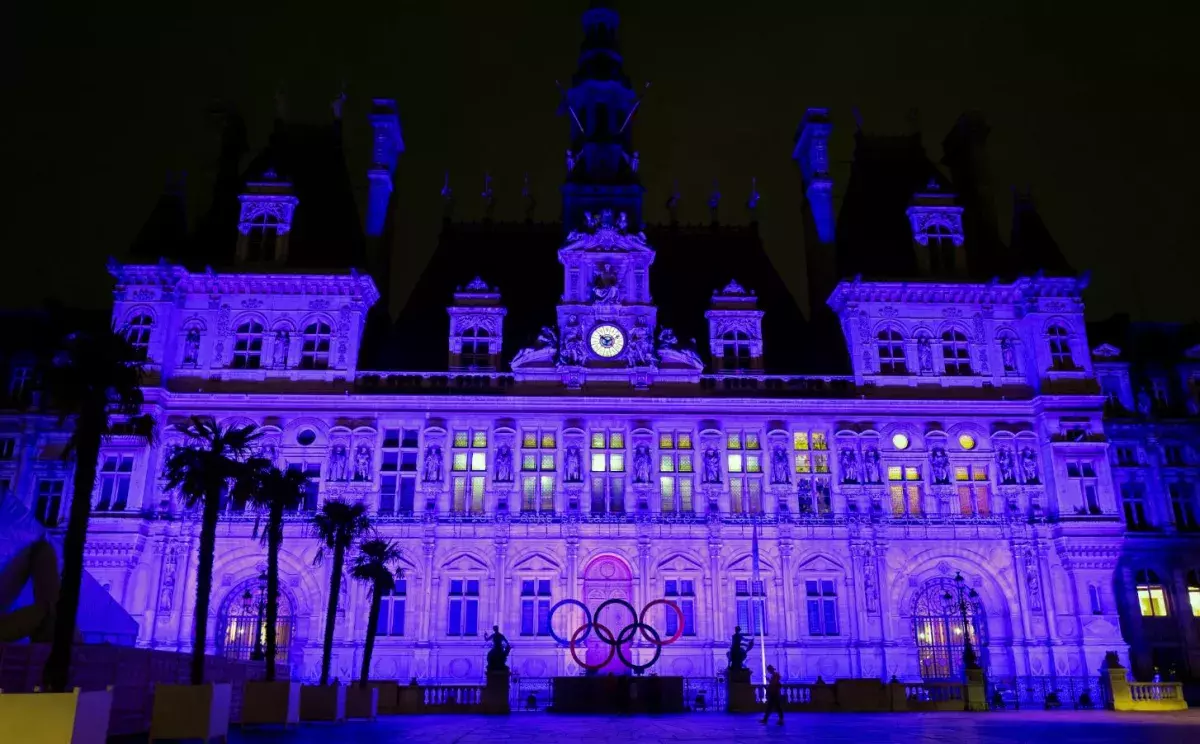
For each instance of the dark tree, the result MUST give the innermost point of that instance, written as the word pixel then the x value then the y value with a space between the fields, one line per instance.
pixel 337 525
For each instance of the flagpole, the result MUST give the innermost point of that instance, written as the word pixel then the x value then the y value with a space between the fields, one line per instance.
pixel 755 582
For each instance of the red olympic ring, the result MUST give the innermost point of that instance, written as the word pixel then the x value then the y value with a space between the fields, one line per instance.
pixel 612 649
pixel 678 626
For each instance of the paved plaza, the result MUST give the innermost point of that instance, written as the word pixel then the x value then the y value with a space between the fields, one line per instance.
pixel 911 728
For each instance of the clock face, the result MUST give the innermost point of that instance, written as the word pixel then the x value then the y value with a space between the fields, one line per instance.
pixel 607 341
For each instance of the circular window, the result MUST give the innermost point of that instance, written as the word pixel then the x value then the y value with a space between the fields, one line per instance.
pixel 900 441
pixel 306 437
pixel 967 442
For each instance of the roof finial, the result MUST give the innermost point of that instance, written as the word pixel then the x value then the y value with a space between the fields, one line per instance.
pixel 447 196
pixel 673 204
pixel 339 101
pixel 489 196
pixel 714 201
pixel 755 197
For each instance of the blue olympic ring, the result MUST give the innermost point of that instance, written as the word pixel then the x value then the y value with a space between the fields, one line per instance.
pixel 633 629
pixel 586 613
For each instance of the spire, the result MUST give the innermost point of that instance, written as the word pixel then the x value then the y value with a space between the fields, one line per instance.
pixel 599 57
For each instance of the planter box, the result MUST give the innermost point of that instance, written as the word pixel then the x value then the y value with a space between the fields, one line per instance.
pixel 271 702
pixel 362 702
pixel 56 717
pixel 191 712
pixel 319 703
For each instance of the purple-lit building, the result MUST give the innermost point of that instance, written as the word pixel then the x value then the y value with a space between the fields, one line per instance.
pixel 605 407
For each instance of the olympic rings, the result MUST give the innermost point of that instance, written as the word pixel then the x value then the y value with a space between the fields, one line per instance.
pixel 657 642
pixel 678 625
pixel 623 638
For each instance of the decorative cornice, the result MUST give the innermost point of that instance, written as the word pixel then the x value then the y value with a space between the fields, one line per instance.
pixel 1024 292
pixel 353 286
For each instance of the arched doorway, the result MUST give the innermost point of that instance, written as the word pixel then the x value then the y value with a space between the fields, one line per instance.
pixel 608 577
pixel 939 631
pixel 242 622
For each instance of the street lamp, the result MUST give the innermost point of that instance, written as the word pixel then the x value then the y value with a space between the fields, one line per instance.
pixel 258 654
pixel 963 597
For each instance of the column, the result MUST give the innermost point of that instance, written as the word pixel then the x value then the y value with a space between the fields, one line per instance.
pixel 643 572
pixel 715 588
pixel 1020 609
pixel 790 609
pixel 575 617
pixel 431 585
pixel 501 583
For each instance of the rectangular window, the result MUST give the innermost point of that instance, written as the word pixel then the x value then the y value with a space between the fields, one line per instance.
pixel 751 607
pixel 1127 456
pixel 1133 502
pixel 1084 485
pixel 608 468
pixel 470 451
pixel 463 617
pixel 974 496
pixel 683 593
pixel 20 385
pixel 906 500
pixel 538 464
pixel 116 471
pixel 1194 600
pixel 745 495
pixel 8 447
pixel 49 501
pixel 312 492
pixel 535 607
pixel 822 607
pixel 1173 455
pixel 391 611
pixel 675 467
pixel 537 493
pixel 1152 600
pixel 1183 504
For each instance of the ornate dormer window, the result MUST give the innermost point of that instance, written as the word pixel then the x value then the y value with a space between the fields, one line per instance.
pixel 956 353
pixel 314 352
pixel 890 344
pixel 137 332
pixel 476 327
pixel 265 220
pixel 735 329
pixel 1061 358
pixel 937 231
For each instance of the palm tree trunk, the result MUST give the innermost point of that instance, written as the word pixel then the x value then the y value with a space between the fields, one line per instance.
pixel 335 588
pixel 87 450
pixel 369 646
pixel 274 538
pixel 204 577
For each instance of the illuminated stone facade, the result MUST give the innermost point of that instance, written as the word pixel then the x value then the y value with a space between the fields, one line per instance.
pixel 966 434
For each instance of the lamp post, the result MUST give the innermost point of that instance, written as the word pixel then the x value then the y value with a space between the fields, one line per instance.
pixel 258 654
pixel 961 599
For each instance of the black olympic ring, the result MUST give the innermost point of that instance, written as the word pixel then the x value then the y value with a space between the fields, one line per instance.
pixel 624 637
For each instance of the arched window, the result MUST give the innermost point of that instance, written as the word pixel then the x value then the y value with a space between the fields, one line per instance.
pixel 1152 596
pixel 1094 599
pixel 137 332
pixel 243 620
pixel 247 345
pixel 938 611
pixel 940 240
pixel 891 352
pixel 262 238
pixel 736 347
pixel 475 347
pixel 1060 348
pixel 956 353
pixel 314 353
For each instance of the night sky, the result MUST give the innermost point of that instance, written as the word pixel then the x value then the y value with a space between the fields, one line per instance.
pixel 1091 111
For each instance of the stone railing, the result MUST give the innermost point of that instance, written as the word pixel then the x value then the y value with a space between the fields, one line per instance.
pixel 1156 692
pixel 934 696
pixel 1122 695
pixel 857 695
pixel 395 698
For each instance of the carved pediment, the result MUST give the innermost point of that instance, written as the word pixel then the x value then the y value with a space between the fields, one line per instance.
pixel 1106 351
pixel 464 562
pixel 536 562
pixel 679 562
pixel 820 563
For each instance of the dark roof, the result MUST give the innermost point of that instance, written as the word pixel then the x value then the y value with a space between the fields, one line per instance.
pixel 165 232
pixel 521 260
pixel 1034 249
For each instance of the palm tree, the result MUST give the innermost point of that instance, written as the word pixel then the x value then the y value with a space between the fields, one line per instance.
pixel 90 377
pixel 337 525
pixel 373 565
pixel 277 491
pixel 203 471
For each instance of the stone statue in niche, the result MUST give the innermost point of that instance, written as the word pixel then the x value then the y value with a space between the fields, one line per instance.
pixel 641 351
pixel 780 472
pixel 279 352
pixel 431 471
pixel 848 464
pixel 191 347
pixel 871 581
pixel 166 597
pixel 573 350
pixel 667 339
pixel 504 464
pixel 573 463
pixel 1145 404
pixel 824 497
pixel 1007 465
pixel 804 493
pixel 269 452
pixel 871 467
pixel 641 463
pixel 925 355
pixel 1029 466
pixel 939 466
pixel 362 463
pixel 1008 355
pixel 606 284
pixel 571 161
pixel 712 465
pixel 337 464
pixel 1032 580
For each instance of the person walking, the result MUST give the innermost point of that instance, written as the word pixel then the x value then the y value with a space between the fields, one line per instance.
pixel 774 695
